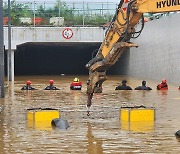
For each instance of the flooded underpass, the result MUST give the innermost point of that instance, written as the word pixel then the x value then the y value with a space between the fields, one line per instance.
pixel 53 58
pixel 101 132
pixel 58 58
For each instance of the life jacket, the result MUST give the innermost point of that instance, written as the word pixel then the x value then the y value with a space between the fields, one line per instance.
pixel 143 88
pixel 162 86
pixel 51 87
pixel 27 87
pixel 123 87
pixel 76 85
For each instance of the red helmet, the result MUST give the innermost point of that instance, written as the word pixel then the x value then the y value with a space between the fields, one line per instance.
pixel 28 82
pixel 163 80
pixel 51 81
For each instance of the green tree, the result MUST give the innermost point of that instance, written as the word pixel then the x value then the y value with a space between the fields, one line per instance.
pixel 17 10
pixel 41 12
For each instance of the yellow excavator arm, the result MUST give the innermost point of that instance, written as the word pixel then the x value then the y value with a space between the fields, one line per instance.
pixel 129 13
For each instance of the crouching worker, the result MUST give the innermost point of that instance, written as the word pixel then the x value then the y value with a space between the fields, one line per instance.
pixel 143 87
pixel 51 86
pixel 163 85
pixel 123 86
pixel 28 86
pixel 76 84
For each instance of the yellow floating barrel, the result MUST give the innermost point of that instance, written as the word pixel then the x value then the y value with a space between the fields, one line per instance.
pixel 40 118
pixel 138 118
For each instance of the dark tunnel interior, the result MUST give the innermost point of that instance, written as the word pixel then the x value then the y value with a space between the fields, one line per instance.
pixel 55 58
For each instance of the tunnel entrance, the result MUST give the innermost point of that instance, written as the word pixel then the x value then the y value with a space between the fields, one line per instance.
pixel 55 58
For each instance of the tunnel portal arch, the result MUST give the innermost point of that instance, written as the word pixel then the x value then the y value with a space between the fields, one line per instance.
pixel 57 58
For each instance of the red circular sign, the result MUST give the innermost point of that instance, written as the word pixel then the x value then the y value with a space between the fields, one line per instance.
pixel 67 33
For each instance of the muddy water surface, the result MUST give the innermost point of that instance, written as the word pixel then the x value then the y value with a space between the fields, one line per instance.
pixel 101 132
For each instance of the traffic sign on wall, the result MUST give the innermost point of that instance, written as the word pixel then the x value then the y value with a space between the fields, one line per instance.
pixel 67 33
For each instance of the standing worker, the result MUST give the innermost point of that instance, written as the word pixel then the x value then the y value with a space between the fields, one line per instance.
pixel 123 86
pixel 51 86
pixel 163 85
pixel 28 86
pixel 76 84
pixel 143 87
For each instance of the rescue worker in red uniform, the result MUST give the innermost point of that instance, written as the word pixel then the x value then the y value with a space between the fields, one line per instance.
pixel 51 86
pixel 163 85
pixel 28 86
pixel 76 84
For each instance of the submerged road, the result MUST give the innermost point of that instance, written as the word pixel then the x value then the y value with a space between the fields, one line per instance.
pixel 100 133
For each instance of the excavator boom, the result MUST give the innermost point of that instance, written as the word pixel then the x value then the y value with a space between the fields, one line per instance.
pixel 128 14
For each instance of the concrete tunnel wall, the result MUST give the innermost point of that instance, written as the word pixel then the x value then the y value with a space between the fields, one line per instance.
pixel 58 58
pixel 158 53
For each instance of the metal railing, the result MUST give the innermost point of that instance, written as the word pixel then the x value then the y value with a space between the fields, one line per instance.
pixel 74 13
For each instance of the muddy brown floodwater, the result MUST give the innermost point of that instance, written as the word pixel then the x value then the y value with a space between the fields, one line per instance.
pixel 101 132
